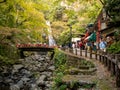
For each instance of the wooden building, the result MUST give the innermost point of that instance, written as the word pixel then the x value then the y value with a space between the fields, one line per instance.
pixel 104 26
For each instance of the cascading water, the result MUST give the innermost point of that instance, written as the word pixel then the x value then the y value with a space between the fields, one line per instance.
pixel 50 37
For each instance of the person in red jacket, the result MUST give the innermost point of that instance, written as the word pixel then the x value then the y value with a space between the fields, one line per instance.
pixel 81 45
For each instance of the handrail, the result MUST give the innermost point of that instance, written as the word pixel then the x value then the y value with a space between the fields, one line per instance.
pixel 111 61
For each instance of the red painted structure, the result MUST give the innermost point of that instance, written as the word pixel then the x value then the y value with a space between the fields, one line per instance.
pixel 35 47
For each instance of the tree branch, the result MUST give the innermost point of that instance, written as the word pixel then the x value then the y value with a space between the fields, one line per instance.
pixel 102 2
pixel 3 1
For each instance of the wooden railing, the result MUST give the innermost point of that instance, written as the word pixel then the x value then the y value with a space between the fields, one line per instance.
pixel 111 61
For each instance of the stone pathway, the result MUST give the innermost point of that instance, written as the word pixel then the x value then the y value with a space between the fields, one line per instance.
pixel 103 78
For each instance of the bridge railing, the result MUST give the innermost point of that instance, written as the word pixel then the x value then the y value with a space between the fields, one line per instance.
pixel 111 61
pixel 34 45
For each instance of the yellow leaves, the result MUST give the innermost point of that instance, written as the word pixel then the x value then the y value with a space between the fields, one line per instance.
pixel 4 31
pixel 32 16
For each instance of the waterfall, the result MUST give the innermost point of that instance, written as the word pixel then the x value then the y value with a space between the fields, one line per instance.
pixel 50 37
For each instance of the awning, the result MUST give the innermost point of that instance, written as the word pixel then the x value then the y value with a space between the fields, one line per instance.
pixel 92 37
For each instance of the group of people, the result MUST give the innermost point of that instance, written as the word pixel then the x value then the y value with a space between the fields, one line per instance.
pixel 89 45
pixel 84 45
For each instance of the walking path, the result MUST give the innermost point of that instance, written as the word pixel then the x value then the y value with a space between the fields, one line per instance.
pixel 105 81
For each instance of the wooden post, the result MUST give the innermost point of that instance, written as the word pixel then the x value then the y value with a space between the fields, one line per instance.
pixel 85 52
pixel 105 61
pixel 0 50
pixel 103 57
pixel 109 64
pixel 99 56
pixel 112 68
pixel 70 50
pixel 118 76
pixel 117 57
pixel 90 54
pixel 96 54
pixel 80 52
pixel 76 51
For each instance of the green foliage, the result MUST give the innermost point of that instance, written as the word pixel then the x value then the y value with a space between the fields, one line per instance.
pixel 60 61
pixel 113 9
pixel 59 13
pixel 26 19
pixel 114 48
pixel 87 63
pixel 87 86
pixel 63 87
pixel 21 14
pixel 64 37
pixel 60 64
pixel 77 14
pixel 6 61
pixel 58 78
pixel 72 84
pixel 59 58
pixel 9 37
pixel 58 81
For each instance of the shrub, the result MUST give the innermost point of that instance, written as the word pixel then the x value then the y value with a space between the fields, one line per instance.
pixel 114 48
pixel 60 61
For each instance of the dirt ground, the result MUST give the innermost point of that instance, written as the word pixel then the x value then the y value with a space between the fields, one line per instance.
pixel 105 80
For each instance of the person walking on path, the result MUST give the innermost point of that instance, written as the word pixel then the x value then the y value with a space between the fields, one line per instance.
pixel 103 45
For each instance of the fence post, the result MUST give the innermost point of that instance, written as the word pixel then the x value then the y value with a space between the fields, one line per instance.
pixel 112 68
pixel 85 52
pixel 80 52
pixel 117 57
pixel 70 50
pixel 118 75
pixel 99 56
pixel 109 65
pixel 76 51
pixel 96 54
pixel 105 60
pixel 90 54
pixel 102 57
pixel 0 50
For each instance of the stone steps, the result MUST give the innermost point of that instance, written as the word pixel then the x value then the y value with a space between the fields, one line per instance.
pixel 80 82
pixel 76 71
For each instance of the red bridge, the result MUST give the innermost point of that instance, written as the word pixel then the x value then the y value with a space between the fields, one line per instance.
pixel 34 47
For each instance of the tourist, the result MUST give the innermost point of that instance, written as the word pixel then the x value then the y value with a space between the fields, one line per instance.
pixel 103 45
pixel 88 45
pixel 73 45
pixel 81 45
pixel 93 46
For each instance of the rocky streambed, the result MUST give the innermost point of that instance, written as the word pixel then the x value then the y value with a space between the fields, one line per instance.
pixel 33 73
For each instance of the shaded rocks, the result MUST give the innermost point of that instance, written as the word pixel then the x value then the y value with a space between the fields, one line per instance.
pixel 34 73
